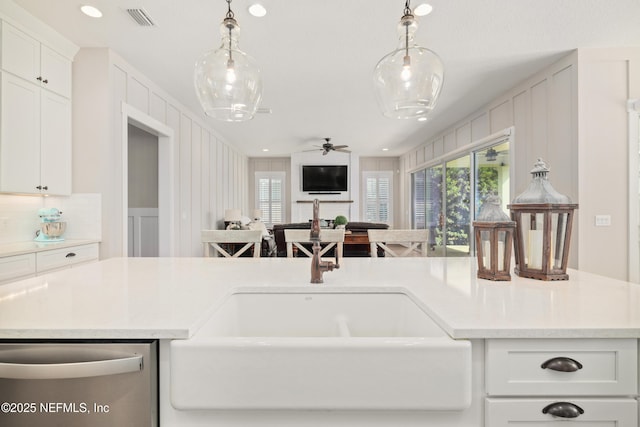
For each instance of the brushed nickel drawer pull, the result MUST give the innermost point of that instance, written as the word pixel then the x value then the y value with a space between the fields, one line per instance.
pixel 562 364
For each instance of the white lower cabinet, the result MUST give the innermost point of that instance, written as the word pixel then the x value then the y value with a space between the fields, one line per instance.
pixel 17 267
pixel 546 382
pixel 67 257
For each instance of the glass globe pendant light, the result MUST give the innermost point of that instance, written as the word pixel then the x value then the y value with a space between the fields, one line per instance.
pixel 408 80
pixel 227 80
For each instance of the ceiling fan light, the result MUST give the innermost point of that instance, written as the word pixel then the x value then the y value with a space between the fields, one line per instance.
pixel 227 81
pixel 408 80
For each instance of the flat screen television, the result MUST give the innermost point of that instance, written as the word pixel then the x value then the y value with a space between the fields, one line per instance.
pixel 324 178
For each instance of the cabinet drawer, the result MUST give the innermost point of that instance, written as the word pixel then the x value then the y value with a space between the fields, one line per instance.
pixel 596 367
pixel 17 266
pixel 60 258
pixel 508 412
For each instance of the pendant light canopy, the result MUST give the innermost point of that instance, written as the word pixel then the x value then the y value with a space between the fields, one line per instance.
pixel 227 80
pixel 408 80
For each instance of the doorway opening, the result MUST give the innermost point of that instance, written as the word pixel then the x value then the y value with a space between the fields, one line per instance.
pixel 142 186
pixel 147 185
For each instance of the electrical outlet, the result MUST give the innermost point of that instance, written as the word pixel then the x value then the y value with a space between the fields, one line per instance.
pixel 603 220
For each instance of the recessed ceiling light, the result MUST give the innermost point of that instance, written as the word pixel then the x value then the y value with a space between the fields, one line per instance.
pixel 385 149
pixel 257 10
pixel 422 119
pixel 265 150
pixel 91 11
pixel 423 9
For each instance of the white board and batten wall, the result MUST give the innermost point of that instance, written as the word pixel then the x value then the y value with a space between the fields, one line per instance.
pixel 573 114
pixel 209 175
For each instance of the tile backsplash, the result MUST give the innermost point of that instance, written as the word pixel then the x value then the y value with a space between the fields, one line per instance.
pixel 19 216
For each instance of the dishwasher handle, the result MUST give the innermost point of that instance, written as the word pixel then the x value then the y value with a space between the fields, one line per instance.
pixel 47 371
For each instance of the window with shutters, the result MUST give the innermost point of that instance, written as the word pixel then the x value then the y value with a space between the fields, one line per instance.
pixel 270 196
pixel 377 204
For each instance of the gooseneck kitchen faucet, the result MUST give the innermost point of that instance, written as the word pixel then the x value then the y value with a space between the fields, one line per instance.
pixel 318 267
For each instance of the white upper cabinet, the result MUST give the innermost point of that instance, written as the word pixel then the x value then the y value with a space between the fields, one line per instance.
pixel 35 116
pixel 26 57
pixel 56 71
pixel 55 144
pixel 19 135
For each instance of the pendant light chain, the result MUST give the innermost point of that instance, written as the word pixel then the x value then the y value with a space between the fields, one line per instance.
pixel 407 8
pixel 230 20
pixel 407 13
pixel 229 11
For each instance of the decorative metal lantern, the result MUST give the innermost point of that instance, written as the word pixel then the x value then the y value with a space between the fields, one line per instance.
pixel 543 228
pixel 494 236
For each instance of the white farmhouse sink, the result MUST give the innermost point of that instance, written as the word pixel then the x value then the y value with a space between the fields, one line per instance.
pixel 320 350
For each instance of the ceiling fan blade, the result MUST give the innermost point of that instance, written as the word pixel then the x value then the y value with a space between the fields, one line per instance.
pixel 325 152
pixel 339 147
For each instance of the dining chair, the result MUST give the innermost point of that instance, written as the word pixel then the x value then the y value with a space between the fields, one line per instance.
pixel 413 242
pixel 212 239
pixel 333 238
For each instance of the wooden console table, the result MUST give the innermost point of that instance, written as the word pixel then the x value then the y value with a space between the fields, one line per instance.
pixel 356 239
pixel 361 239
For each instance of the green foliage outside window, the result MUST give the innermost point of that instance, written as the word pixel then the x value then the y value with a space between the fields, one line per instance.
pixel 458 192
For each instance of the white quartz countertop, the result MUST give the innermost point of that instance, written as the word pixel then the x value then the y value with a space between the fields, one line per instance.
pixel 20 248
pixel 170 298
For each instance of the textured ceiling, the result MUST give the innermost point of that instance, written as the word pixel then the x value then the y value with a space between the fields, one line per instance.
pixel 317 57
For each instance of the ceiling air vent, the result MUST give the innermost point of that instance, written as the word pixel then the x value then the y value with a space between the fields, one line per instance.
pixel 141 17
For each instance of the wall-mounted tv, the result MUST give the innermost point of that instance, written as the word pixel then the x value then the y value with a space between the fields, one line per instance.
pixel 324 178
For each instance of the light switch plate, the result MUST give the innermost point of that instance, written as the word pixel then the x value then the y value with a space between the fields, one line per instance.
pixel 603 220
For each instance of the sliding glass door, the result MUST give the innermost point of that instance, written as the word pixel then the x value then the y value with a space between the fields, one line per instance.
pixel 427 206
pixel 492 174
pixel 447 196
pixel 458 206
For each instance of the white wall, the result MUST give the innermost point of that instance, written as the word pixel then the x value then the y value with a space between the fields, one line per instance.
pixel 607 79
pixel 210 175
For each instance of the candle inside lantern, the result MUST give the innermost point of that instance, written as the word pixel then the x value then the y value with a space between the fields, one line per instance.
pixel 535 249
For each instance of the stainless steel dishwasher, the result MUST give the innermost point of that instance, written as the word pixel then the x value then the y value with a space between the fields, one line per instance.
pixel 72 384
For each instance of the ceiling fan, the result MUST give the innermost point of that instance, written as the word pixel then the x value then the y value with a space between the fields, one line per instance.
pixel 491 155
pixel 328 146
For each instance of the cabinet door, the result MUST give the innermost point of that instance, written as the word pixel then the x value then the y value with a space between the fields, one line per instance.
pixel 16 267
pixel 56 72
pixel 19 135
pixel 20 53
pixel 55 144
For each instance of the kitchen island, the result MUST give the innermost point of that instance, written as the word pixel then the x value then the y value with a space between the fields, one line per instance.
pixel 169 299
